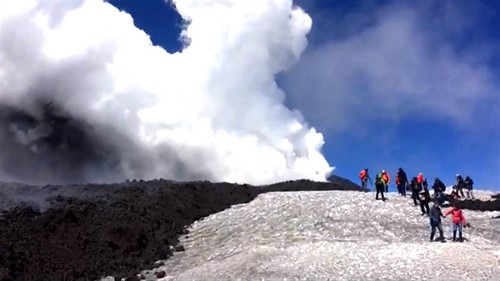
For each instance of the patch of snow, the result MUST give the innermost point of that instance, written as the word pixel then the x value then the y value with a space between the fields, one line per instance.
pixel 325 235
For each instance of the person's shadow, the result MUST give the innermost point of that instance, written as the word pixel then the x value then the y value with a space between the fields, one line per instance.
pixel 458 239
pixel 442 240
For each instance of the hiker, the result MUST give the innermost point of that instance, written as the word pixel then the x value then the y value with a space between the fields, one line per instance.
pixel 379 186
pixel 468 182
pixel 415 190
pixel 387 180
pixel 438 187
pixel 424 200
pixel 364 177
pixel 401 181
pixel 458 220
pixel 459 184
pixel 435 216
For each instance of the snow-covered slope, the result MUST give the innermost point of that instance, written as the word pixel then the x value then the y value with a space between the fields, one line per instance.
pixel 333 235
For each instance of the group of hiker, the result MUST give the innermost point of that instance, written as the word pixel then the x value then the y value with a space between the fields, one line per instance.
pixel 382 181
pixel 421 196
pixel 418 185
pixel 458 220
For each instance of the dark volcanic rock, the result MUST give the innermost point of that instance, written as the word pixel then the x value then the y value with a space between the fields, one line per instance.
pixel 161 274
pixel 345 183
pixel 113 230
pixel 179 248
pixel 478 205
pixel 123 229
pixel 305 185
pixel 496 196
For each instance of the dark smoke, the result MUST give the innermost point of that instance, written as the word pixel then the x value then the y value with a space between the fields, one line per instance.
pixel 48 145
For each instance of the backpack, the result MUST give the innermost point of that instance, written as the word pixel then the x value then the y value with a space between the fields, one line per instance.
pixel 362 175
pixel 379 180
pixel 468 181
pixel 385 177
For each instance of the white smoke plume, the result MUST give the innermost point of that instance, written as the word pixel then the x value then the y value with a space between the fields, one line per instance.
pixel 86 96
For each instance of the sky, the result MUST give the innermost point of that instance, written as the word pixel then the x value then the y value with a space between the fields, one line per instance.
pixel 191 89
pixel 389 84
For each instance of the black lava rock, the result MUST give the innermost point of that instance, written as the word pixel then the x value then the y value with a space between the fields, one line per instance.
pixel 96 230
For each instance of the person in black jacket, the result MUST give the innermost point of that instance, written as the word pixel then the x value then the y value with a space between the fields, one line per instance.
pixel 468 182
pixel 438 188
pixel 435 216
pixel 401 181
pixel 415 189
pixel 424 200
pixel 459 185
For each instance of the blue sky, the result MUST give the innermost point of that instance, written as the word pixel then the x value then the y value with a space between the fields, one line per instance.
pixel 412 84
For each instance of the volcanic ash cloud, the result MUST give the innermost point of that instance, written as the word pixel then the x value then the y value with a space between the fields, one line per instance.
pixel 86 96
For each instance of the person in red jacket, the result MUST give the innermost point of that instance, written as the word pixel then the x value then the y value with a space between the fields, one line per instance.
pixel 420 180
pixel 364 177
pixel 387 180
pixel 458 220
